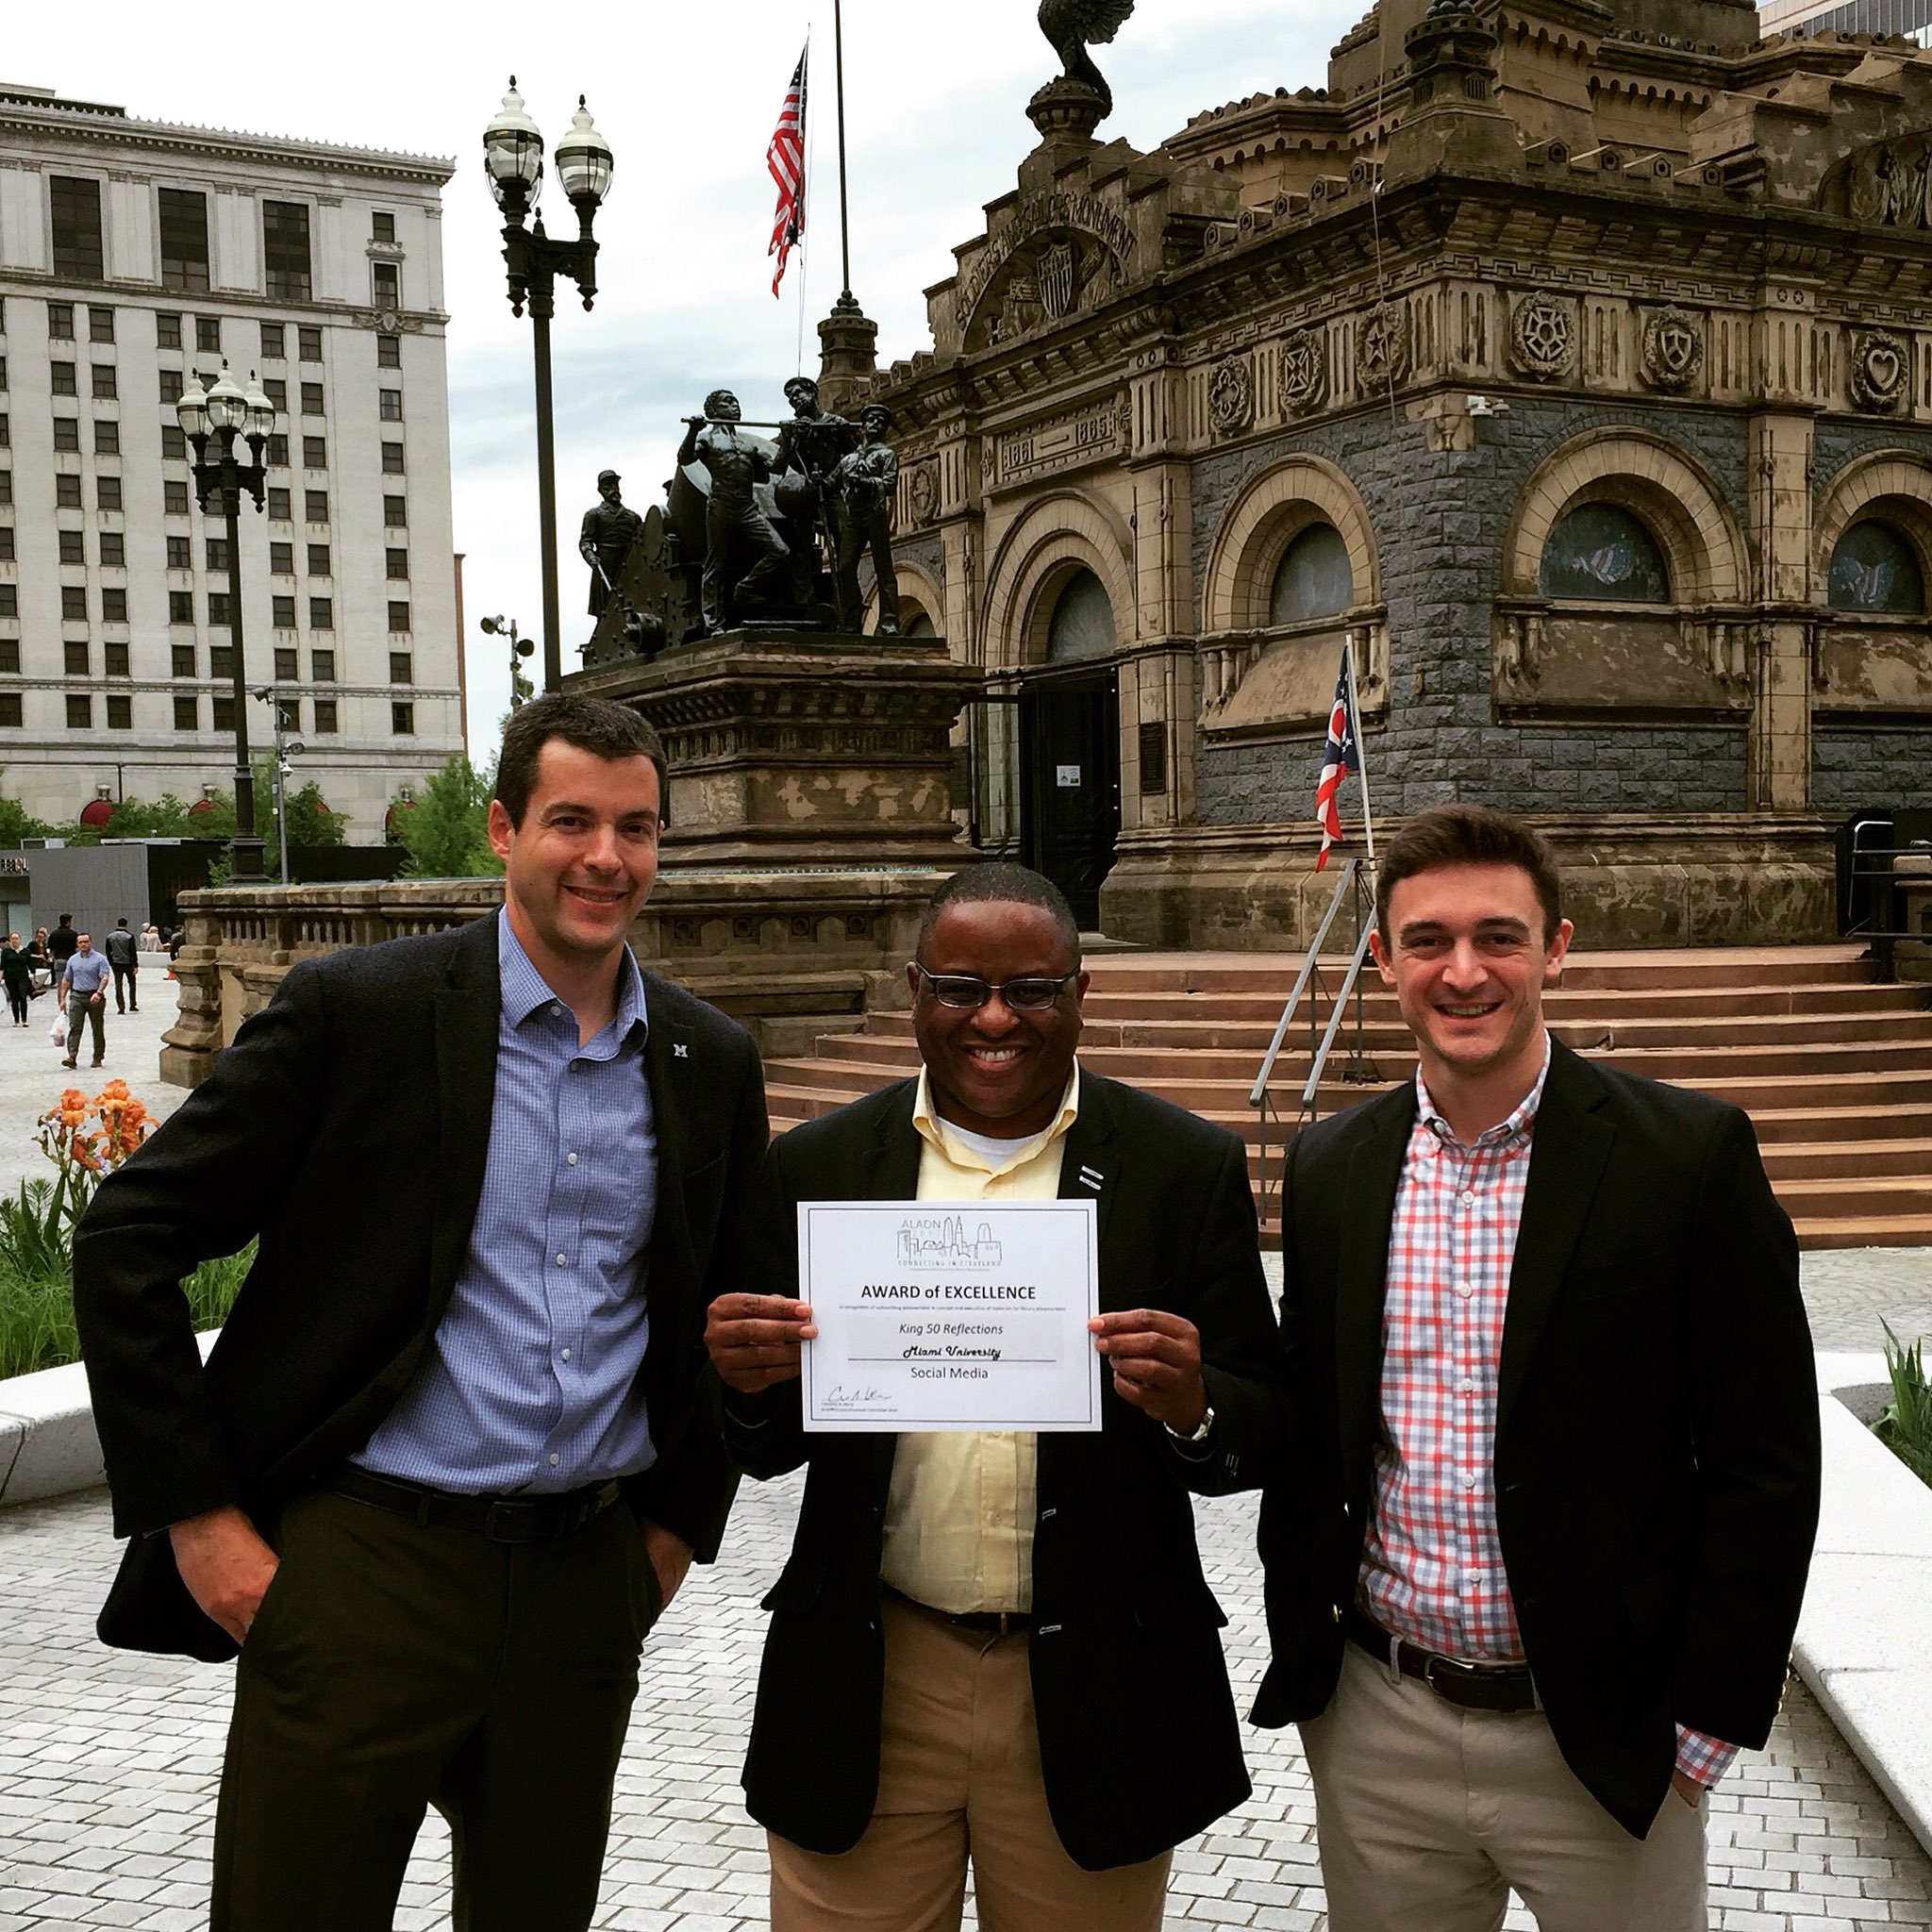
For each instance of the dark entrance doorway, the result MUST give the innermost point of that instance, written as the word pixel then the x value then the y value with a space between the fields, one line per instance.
pixel 1070 754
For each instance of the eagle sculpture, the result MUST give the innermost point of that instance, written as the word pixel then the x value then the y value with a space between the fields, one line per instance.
pixel 1073 25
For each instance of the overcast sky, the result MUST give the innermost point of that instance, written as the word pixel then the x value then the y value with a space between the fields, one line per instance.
pixel 687 97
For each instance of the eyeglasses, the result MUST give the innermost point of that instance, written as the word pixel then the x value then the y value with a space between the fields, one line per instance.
pixel 1022 995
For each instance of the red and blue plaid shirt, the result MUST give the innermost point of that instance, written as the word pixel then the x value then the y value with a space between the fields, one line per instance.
pixel 1432 1562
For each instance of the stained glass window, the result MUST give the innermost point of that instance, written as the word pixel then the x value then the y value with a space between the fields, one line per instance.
pixel 1875 569
pixel 1314 579
pixel 1082 623
pixel 1599 553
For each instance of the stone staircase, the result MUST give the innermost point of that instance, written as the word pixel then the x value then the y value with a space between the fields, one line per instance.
pixel 1834 1067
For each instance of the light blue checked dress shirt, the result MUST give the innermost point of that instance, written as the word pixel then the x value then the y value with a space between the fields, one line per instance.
pixel 530 1385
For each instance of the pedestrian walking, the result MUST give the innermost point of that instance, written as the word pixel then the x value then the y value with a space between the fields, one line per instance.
pixel 18 976
pixel 39 962
pixel 62 943
pixel 124 956
pixel 84 996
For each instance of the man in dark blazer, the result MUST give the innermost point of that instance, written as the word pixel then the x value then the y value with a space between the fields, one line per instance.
pixel 447 1461
pixel 1002 1644
pixel 1534 1567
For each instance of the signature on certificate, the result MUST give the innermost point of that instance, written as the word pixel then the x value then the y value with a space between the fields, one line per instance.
pixel 839 1398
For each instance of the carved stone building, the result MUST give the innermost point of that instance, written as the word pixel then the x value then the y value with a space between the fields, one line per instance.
pixel 1568 358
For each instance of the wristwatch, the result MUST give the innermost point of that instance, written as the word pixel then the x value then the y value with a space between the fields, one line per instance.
pixel 1199 1437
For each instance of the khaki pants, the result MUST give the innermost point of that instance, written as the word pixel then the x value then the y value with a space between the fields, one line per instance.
pixel 1429 1814
pixel 958 1778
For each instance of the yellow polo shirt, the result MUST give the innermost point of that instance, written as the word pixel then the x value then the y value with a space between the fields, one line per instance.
pixel 958 1532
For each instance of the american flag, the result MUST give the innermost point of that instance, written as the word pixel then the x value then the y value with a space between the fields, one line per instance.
pixel 1339 756
pixel 786 160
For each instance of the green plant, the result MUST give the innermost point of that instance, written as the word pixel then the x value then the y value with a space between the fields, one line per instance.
pixel 446 830
pixel 1906 1428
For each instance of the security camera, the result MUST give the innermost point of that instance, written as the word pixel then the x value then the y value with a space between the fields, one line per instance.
pixel 491 625
pixel 293 747
pixel 264 691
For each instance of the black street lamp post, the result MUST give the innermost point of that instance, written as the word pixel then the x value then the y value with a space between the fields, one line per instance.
pixel 513 154
pixel 214 420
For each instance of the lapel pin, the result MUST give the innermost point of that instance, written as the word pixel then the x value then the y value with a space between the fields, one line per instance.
pixel 1092 1178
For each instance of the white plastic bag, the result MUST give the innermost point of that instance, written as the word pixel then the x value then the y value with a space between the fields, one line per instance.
pixel 58 1035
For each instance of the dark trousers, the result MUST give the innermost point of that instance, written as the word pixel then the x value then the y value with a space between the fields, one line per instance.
pixel 84 1011
pixel 124 983
pixel 392 1667
pixel 17 997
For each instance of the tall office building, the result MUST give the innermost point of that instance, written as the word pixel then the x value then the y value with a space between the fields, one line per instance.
pixel 1846 16
pixel 133 253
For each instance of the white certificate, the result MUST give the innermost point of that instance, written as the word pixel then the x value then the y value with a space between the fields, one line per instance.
pixel 950 1314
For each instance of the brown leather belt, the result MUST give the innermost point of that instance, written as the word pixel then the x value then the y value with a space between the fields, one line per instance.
pixel 993 1623
pixel 1457 1680
pixel 502 1519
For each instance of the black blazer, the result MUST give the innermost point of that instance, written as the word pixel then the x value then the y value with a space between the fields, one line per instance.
pixel 347 1128
pixel 1656 1462
pixel 1138 1739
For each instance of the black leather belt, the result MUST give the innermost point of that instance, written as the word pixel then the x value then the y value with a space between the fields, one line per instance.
pixel 994 1622
pixel 502 1519
pixel 1457 1680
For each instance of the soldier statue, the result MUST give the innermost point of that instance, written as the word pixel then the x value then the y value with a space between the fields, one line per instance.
pixel 733 519
pixel 605 541
pixel 810 447
pixel 863 486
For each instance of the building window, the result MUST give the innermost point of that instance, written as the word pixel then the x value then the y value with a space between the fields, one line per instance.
pixel 281 559
pixel 184 240
pixel 170 386
pixel 1598 553
pixel 181 658
pixel 401 719
pixel 398 617
pixel 113 550
pixel 174 447
pixel 113 604
pixel 218 553
pixel 105 388
pixel 5 548
pixel 67 492
pixel 73 548
pixel 284 616
pixel 100 325
pixel 396 565
pixel 275 453
pixel 388 352
pixel 391 460
pixel 115 655
pixel 400 669
pixel 180 556
pixel 80 712
pixel 276 391
pixel 185 714
pixel 220 661
pixel 167 331
pixel 60 379
pixel 325 709
pixel 382 225
pixel 10 653
pixel 315 505
pixel 287 670
pixel 322 666
pixel 75 206
pixel 6 486
pixel 319 560
pixel 74 656
pixel 10 601
pixel 289 713
pixel 180 606
pixel 60 321
pixel 274 341
pixel 280 507
pixel 120 713
pixel 1875 569
pixel 315 452
pixel 221 714
pixel 218 609
pixel 74 602
pixel 208 334
pixel 321 613
pixel 6 430
pixel 389 405
pixel 396 512
pixel 308 342
pixel 311 399
pixel 285 249
pixel 386 284
pixel 10 708
pixel 173 499
pixel 107 492
pixel 67 433
pixel 106 438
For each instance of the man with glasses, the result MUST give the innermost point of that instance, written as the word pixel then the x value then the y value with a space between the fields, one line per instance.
pixel 974 1630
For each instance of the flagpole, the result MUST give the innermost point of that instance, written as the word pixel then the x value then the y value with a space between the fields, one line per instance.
pixel 1361 750
pixel 844 225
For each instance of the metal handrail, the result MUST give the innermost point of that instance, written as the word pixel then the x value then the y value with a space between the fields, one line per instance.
pixel 1258 1094
pixel 1335 1018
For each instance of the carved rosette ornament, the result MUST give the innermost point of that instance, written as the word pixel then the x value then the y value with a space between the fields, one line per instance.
pixel 1673 349
pixel 1231 396
pixel 1542 338
pixel 1304 372
pixel 1881 371
pixel 1382 348
pixel 923 494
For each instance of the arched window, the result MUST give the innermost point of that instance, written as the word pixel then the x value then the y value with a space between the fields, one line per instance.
pixel 1314 577
pixel 1598 553
pixel 1082 623
pixel 1875 569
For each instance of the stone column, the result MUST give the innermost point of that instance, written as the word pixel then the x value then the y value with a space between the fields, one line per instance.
pixel 1780 757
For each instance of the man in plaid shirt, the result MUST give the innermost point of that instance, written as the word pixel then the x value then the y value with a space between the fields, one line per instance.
pixel 1533 1576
